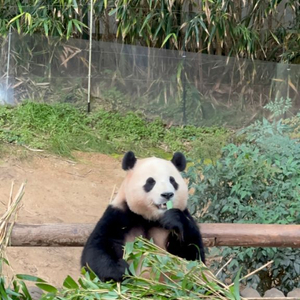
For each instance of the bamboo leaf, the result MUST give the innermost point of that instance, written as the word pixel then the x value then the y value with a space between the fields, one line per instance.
pixel 113 11
pixel 47 287
pixel 168 37
pixel 169 204
pixel 78 25
pixel 59 30
pixel 236 286
pixel 292 86
pixel 149 16
pixel 20 7
pixel 275 37
pixel 278 79
pixel 46 28
pixel 3 293
pixel 157 30
pixel 25 290
pixel 75 5
pixel 69 28
pixel 212 35
pixel 28 19
pixel 70 283
pixel 197 36
pixel 18 26
pixel 29 278
pixel 15 18
pixel 200 20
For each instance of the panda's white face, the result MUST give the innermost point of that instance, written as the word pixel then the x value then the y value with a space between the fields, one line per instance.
pixel 150 184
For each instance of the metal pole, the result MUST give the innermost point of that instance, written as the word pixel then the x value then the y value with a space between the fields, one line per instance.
pixel 288 80
pixel 90 56
pixel 8 64
pixel 184 89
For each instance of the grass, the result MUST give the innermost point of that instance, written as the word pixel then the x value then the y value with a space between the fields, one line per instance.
pixel 61 129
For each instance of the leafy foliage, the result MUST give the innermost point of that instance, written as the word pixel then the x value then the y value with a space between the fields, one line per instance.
pixel 61 129
pixel 54 18
pixel 214 27
pixel 17 290
pixel 256 181
pixel 294 123
pixel 279 106
pixel 180 279
pixel 255 30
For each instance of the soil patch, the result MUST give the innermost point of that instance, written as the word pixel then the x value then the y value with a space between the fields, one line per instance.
pixel 58 190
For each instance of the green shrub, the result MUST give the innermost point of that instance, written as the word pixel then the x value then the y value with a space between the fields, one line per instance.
pixel 294 123
pixel 257 181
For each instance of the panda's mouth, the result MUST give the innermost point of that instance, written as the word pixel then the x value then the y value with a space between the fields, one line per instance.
pixel 162 206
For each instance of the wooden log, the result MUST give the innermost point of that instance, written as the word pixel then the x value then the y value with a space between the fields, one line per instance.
pixel 252 235
pixel 248 235
pixel 50 235
pixel 277 298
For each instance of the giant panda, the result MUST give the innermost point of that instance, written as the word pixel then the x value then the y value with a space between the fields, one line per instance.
pixel 139 209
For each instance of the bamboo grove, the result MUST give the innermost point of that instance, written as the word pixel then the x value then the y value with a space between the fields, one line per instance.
pixel 258 29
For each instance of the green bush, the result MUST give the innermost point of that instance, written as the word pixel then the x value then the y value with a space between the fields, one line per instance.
pixel 257 181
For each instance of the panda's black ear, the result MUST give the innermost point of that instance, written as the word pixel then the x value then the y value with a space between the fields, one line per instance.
pixel 179 161
pixel 129 161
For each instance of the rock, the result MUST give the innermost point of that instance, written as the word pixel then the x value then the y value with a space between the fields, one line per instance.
pixel 35 292
pixel 294 293
pixel 274 293
pixel 250 293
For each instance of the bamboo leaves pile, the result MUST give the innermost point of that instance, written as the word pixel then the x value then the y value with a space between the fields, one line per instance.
pixel 172 278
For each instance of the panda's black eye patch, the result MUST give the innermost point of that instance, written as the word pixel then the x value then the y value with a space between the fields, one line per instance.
pixel 173 182
pixel 150 182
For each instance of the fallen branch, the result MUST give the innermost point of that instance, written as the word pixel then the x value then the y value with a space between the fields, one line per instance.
pixel 10 215
pixel 8 219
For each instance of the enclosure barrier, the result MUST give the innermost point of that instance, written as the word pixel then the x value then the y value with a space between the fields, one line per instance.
pixel 181 88
pixel 221 234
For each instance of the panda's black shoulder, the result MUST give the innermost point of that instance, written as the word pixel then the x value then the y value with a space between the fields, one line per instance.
pixel 116 222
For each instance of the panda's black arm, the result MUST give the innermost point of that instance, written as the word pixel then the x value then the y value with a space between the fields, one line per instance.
pixel 185 239
pixel 103 250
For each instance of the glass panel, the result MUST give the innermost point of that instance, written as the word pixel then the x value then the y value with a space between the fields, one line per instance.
pixel 181 88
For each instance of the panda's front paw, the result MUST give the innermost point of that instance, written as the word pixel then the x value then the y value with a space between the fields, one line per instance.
pixel 173 219
pixel 115 271
pixel 122 266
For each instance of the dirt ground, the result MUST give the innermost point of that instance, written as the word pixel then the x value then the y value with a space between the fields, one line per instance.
pixel 58 190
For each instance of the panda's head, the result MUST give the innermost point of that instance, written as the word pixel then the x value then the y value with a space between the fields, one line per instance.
pixel 152 182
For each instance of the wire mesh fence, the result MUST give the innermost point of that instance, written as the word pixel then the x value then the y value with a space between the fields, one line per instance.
pixel 180 87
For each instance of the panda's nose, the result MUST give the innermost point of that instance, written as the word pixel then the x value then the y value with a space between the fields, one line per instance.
pixel 167 195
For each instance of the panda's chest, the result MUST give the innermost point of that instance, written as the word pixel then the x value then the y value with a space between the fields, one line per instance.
pixel 158 234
